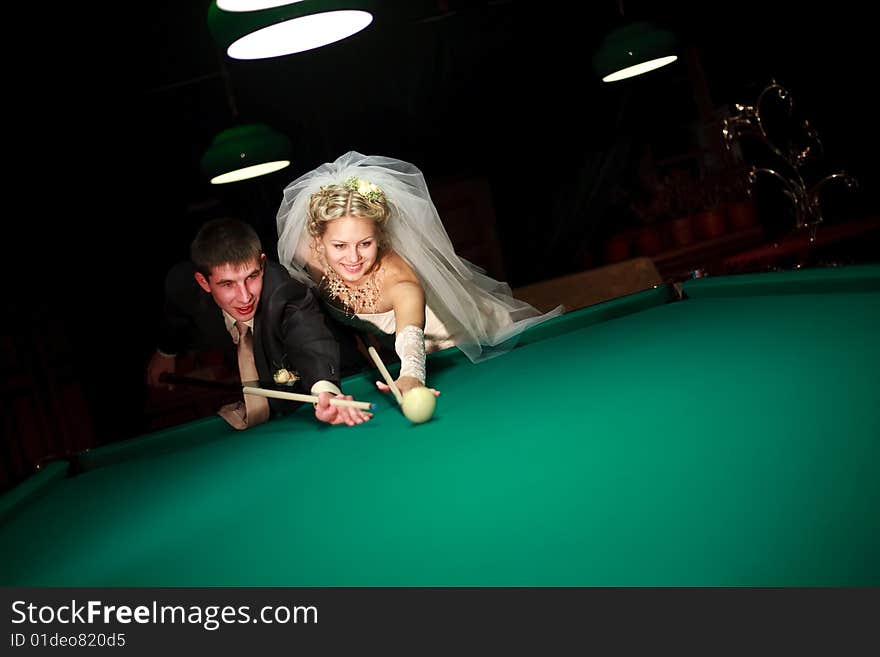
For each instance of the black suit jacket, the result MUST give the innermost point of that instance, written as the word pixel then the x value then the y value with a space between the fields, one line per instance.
pixel 290 329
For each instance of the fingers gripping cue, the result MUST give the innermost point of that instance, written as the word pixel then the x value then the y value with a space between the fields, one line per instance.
pixel 312 399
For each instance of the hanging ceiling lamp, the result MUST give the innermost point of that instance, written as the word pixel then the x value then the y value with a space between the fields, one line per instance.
pixel 633 49
pixel 259 29
pixel 245 151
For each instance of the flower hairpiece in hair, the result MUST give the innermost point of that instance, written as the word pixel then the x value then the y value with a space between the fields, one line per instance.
pixel 364 188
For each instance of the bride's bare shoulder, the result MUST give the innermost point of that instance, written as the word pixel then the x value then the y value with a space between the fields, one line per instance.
pixel 397 269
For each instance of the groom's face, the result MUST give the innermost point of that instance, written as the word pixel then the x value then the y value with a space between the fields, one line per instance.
pixel 235 287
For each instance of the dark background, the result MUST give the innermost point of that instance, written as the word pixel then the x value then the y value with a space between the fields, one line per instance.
pixel 111 109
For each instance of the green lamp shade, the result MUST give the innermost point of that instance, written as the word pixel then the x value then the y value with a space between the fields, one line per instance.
pixel 287 29
pixel 252 5
pixel 245 151
pixel 632 50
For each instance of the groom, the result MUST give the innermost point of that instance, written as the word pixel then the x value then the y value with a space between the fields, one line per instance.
pixel 229 296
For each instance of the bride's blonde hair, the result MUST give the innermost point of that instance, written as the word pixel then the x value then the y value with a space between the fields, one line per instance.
pixel 335 201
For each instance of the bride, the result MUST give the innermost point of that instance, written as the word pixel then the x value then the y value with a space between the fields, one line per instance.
pixel 364 231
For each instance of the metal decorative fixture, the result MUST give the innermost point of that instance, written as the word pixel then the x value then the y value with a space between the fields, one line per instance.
pixel 807 147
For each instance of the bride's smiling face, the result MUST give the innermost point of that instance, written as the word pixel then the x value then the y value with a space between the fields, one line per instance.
pixel 350 247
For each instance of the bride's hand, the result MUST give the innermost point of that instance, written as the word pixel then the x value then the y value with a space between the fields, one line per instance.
pixel 404 384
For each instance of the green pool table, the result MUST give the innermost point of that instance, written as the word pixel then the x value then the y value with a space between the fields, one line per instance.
pixel 727 438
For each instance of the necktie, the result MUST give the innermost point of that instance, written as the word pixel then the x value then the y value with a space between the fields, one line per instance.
pixel 256 408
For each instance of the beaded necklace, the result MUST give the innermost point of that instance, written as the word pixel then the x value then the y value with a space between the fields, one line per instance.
pixel 364 298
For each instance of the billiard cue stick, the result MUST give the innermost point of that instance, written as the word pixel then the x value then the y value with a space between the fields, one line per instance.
pixel 263 392
pixel 312 399
pixel 375 356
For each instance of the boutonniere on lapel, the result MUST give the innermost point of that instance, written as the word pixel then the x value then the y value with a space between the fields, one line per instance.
pixel 282 374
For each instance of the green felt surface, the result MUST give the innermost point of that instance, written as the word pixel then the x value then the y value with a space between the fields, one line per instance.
pixel 716 441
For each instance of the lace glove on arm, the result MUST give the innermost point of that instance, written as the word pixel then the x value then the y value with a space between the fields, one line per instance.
pixel 410 346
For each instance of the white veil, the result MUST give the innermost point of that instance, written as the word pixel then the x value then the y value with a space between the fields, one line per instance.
pixel 479 311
